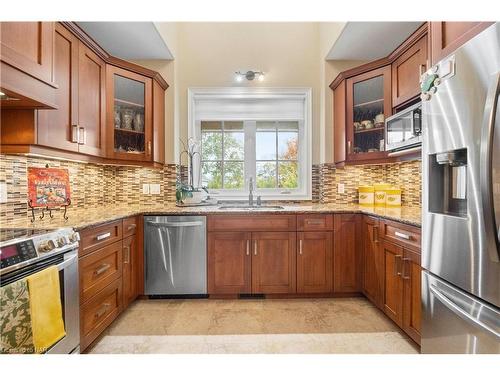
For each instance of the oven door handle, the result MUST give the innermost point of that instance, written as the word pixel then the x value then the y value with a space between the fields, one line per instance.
pixel 67 262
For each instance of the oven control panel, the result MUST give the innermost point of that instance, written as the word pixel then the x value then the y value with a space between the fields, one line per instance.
pixel 17 253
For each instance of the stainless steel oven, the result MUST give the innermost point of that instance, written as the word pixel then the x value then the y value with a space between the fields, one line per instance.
pixel 403 131
pixel 30 252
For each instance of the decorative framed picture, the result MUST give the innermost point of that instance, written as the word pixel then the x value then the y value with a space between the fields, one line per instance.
pixel 48 187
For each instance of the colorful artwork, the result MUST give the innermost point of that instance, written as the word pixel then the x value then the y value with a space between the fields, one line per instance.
pixel 48 187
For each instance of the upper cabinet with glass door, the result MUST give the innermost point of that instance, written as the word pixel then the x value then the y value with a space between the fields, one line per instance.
pixel 129 115
pixel 368 104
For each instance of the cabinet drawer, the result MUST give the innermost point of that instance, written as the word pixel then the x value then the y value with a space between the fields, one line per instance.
pixel 129 226
pixel 96 237
pixel 99 312
pixel 99 269
pixel 252 223
pixel 313 222
pixel 401 234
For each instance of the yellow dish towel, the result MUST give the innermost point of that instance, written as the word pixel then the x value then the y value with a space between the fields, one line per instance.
pixel 46 311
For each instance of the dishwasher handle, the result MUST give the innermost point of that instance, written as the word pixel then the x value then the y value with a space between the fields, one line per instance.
pixel 177 224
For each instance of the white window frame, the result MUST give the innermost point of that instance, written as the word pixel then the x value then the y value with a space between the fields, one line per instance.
pixel 305 137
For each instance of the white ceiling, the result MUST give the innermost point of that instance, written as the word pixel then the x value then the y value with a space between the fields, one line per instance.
pixel 129 40
pixel 370 40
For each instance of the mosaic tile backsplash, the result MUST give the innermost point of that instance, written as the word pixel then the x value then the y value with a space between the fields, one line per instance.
pixel 406 175
pixel 92 185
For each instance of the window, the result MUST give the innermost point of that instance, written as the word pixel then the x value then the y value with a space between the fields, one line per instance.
pixel 265 138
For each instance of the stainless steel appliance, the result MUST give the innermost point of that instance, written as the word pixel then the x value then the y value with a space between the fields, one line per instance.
pixel 176 255
pixel 403 131
pixel 24 252
pixel 461 200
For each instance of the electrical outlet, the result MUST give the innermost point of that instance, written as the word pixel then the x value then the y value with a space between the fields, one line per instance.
pixel 145 188
pixel 154 189
pixel 3 192
pixel 341 188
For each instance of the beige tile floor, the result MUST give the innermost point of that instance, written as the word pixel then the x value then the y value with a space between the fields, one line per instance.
pixel 327 325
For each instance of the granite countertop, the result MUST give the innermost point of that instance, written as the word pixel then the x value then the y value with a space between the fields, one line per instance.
pixel 83 218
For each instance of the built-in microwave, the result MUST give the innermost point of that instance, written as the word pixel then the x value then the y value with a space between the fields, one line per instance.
pixel 403 131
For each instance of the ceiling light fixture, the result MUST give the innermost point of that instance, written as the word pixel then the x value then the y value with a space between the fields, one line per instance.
pixel 249 75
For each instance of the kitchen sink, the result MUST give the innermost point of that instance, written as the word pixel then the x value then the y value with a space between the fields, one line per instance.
pixel 248 207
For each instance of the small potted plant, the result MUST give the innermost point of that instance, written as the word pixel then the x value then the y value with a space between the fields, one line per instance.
pixel 188 193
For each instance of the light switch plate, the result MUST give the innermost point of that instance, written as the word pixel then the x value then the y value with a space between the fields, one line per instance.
pixel 3 192
pixel 154 189
pixel 341 188
pixel 145 188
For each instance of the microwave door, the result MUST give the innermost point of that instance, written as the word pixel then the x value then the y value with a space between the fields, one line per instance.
pixel 399 130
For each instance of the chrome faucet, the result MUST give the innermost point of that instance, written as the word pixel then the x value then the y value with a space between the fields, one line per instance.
pixel 250 194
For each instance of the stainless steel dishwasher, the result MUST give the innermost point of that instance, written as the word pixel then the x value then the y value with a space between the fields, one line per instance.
pixel 175 255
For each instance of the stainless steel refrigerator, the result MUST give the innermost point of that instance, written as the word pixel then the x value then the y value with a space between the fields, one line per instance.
pixel 461 200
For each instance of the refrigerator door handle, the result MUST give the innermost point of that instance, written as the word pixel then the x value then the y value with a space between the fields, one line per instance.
pixel 487 149
pixel 448 302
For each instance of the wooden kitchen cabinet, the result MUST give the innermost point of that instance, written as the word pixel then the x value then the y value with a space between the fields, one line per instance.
pixel 130 270
pixel 129 115
pixel 367 95
pixel 446 37
pixel 373 262
pixel 346 253
pixel 229 263
pixel 26 54
pixel 56 128
pixel 273 262
pixel 412 276
pixel 314 262
pixel 91 103
pixel 158 123
pixel 339 124
pixel 406 71
pixel 393 282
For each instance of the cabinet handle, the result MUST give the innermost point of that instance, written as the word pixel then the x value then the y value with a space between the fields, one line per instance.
pixel 128 254
pixel 131 226
pixel 248 247
pixel 402 235
pixel 421 69
pixel 403 271
pixel 348 147
pixel 82 136
pixel 375 234
pixel 103 310
pixel 300 247
pixel 149 148
pixel 103 268
pixel 314 221
pixel 255 247
pixel 75 134
pixel 397 265
pixel 103 236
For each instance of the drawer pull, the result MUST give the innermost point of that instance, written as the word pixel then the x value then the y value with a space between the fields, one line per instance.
pixel 375 234
pixel 402 235
pixel 248 247
pixel 255 247
pixel 404 275
pixel 103 268
pixel 397 265
pixel 103 236
pixel 131 226
pixel 103 310
pixel 314 222
pixel 300 247
pixel 127 260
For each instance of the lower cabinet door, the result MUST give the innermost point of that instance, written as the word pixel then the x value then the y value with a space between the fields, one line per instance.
pixel 373 262
pixel 229 262
pixel 129 270
pixel 346 258
pixel 99 312
pixel 393 282
pixel 412 277
pixel 314 262
pixel 273 262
